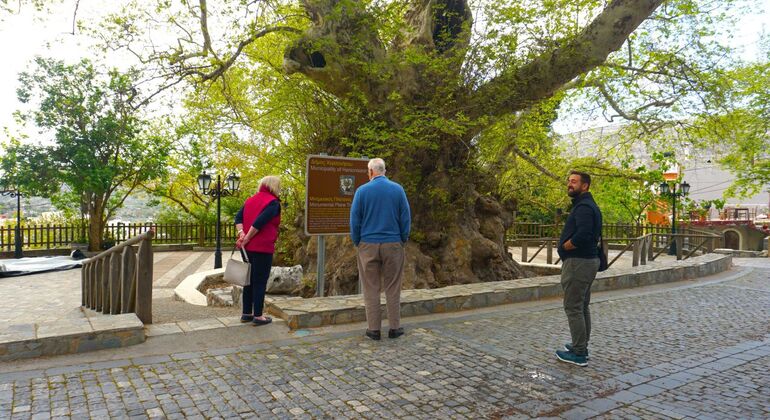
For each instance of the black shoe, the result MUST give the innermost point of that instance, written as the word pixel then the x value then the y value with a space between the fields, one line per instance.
pixel 259 322
pixel 569 347
pixel 247 318
pixel 374 335
pixel 398 332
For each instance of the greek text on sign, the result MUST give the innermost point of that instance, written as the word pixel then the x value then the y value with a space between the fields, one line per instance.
pixel 330 184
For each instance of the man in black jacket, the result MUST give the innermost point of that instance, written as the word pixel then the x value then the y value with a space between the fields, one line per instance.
pixel 580 262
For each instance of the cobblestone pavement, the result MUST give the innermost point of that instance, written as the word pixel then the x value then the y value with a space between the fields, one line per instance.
pixel 696 351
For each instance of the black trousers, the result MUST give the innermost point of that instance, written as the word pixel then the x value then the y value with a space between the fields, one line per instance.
pixel 254 293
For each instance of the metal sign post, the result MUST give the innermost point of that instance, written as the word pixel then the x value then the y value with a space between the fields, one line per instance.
pixel 331 182
pixel 319 284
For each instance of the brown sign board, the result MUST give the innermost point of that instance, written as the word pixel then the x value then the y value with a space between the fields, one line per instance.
pixel 330 184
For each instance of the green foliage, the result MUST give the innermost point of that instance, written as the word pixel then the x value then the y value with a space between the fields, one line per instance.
pixel 739 134
pixel 15 6
pixel 99 150
pixel 258 121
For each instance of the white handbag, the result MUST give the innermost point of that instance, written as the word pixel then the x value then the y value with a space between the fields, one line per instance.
pixel 238 273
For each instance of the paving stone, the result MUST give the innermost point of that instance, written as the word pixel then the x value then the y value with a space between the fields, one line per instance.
pixel 154 330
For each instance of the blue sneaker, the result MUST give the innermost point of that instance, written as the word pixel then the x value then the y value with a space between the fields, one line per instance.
pixel 569 348
pixel 570 357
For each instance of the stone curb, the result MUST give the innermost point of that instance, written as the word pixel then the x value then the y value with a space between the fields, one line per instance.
pixel 70 336
pixel 316 312
pixel 741 253
pixel 187 291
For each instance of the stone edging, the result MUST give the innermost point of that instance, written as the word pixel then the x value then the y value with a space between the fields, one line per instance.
pixel 316 312
pixel 70 336
pixel 741 253
pixel 187 291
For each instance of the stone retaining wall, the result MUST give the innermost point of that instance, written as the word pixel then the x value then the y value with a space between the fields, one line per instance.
pixel 70 336
pixel 316 312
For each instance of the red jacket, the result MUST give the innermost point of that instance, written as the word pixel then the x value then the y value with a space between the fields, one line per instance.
pixel 264 240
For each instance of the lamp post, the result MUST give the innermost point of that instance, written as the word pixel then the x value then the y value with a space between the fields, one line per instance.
pixel 17 231
pixel 674 193
pixel 204 184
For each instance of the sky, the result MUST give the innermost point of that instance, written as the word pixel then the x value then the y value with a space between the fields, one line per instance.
pixel 32 34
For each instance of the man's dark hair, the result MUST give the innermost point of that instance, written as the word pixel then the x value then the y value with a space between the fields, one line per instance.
pixel 584 177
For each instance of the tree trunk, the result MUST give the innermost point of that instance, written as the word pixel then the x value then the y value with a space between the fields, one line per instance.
pixel 469 249
pixel 96 224
pixel 95 229
pixel 458 233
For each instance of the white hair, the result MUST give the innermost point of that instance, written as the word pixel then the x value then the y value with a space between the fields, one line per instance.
pixel 273 183
pixel 377 166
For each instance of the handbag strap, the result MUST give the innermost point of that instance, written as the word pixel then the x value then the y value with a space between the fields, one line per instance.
pixel 243 254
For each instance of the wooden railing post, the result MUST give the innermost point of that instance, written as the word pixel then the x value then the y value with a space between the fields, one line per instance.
pixel 98 284
pixel 128 281
pixel 144 282
pixel 92 284
pixel 524 251
pixel 104 280
pixel 115 283
pixel 644 249
pixel 606 250
pixel 84 286
pixel 635 252
pixel 549 252
pixel 679 244
pixel 651 247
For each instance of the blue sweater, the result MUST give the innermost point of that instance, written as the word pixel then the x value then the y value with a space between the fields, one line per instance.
pixel 380 213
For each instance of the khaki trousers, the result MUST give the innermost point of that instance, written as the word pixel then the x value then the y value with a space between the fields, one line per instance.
pixel 381 266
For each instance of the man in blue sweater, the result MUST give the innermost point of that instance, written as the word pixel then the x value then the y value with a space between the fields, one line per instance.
pixel 379 228
pixel 580 262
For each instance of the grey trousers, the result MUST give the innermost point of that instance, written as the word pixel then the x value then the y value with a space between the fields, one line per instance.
pixel 577 275
pixel 381 266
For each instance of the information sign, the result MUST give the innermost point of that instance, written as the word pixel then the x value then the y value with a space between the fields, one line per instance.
pixel 330 184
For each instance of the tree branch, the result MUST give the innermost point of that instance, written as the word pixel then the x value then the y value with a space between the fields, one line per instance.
pixel 532 161
pixel 518 88
pixel 205 28
pixel 75 16
pixel 222 67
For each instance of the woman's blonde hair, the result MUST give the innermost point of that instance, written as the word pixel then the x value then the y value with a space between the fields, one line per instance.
pixel 273 183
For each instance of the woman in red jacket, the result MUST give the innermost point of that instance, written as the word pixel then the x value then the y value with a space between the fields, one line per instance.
pixel 262 214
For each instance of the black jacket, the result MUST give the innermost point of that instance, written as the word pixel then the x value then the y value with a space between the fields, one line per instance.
pixel 583 227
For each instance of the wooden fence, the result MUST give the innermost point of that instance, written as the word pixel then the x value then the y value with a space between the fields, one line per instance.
pixel 62 236
pixel 531 230
pixel 119 280
pixel 644 248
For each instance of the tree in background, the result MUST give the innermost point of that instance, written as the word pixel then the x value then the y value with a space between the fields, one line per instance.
pixel 99 149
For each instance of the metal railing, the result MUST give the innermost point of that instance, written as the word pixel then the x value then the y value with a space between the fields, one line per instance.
pixel 643 248
pixel 119 280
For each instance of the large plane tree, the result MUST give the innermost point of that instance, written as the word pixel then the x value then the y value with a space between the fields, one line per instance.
pixel 421 83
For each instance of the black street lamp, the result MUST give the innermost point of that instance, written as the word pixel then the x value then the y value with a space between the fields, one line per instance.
pixel 204 184
pixel 17 232
pixel 671 191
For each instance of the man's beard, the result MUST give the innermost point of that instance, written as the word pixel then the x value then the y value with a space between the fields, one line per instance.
pixel 573 193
